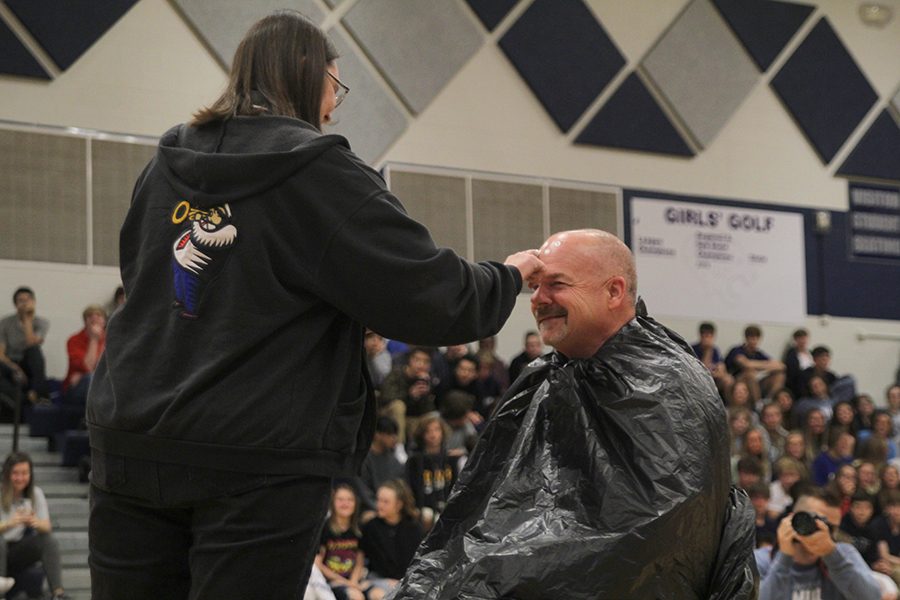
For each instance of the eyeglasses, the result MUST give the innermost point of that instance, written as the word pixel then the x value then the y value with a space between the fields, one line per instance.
pixel 341 92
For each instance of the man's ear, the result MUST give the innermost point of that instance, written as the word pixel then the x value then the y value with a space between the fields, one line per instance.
pixel 617 291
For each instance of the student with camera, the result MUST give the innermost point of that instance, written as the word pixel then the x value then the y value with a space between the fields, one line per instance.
pixel 810 564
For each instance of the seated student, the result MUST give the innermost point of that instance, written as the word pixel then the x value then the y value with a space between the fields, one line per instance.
pixel 84 349
pixel 865 413
pixel 795 447
pixel 749 472
pixel 889 477
pixel 888 533
pixel 463 435
pixel 858 524
pixel 785 399
pixel 816 433
pixel 22 363
pixel 796 359
pixel 754 445
pixel 868 480
pixel 843 486
pixel 892 400
pixel 748 362
pixel 818 399
pixel 821 366
pixel 406 393
pixel 533 348
pixel 708 353
pixel 340 558
pixel 27 536
pixel 431 471
pixel 378 358
pixel 497 369
pixel 813 565
pixel 464 378
pixel 766 526
pixel 381 463
pixel 840 452
pixel 788 473
pixel 390 539
pixel 882 428
pixel 772 421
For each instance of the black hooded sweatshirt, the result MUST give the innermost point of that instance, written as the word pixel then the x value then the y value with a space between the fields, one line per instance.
pixel 254 253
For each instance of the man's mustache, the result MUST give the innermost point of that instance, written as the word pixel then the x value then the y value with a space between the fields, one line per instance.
pixel 546 312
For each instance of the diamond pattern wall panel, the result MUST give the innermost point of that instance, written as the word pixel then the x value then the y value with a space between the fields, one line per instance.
pixel 67 29
pixel 115 168
pixel 878 152
pixel 369 118
pixel 824 90
pixel 15 59
pixel 764 27
pixel 579 209
pixel 491 12
pixel 43 190
pixel 508 217
pixel 436 201
pixel 701 69
pixel 223 24
pixel 418 46
pixel 564 55
pixel 632 119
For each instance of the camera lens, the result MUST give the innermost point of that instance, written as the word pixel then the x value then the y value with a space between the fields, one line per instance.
pixel 804 523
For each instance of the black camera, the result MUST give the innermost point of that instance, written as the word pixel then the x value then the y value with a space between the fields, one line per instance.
pixel 804 523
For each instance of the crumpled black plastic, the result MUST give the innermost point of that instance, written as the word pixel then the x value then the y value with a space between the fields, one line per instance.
pixel 605 477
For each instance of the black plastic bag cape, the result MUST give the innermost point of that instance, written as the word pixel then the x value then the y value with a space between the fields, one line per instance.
pixel 605 478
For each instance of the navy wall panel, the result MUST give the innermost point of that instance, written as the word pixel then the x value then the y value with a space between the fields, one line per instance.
pixel 824 89
pixel 564 55
pixel 877 154
pixel 764 27
pixel 15 59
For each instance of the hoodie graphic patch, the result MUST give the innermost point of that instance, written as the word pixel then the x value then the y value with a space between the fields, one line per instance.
pixel 197 251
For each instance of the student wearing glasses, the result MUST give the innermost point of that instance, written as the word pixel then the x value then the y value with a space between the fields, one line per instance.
pixel 234 383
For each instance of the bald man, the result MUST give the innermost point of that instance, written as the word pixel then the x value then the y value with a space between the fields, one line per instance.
pixel 605 471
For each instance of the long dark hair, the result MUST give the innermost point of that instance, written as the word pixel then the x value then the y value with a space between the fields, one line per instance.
pixel 281 62
pixel 354 518
pixel 6 488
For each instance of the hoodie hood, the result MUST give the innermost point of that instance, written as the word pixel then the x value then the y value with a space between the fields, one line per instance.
pixel 227 161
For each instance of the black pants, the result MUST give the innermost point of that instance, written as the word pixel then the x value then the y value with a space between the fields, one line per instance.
pixel 160 531
pixel 15 557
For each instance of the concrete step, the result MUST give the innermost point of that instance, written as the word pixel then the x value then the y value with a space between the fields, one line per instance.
pixel 26 444
pixel 77 579
pixel 72 541
pixel 67 507
pixel 63 489
pixel 74 559
pixel 55 474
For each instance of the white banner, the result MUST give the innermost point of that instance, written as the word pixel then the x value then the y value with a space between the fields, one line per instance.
pixel 717 262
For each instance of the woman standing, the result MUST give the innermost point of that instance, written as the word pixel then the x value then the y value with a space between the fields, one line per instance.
pixel 233 387
pixel 25 526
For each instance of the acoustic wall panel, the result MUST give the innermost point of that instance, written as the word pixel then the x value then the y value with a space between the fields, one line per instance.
pixel 582 209
pixel 15 59
pixel 764 27
pixel 43 189
pixel 115 168
pixel 632 119
pixel 564 55
pixel 491 12
pixel 223 24
pixel 67 29
pixel 369 117
pixel 824 90
pixel 418 46
pixel 508 217
pixel 877 154
pixel 701 69
pixel 436 201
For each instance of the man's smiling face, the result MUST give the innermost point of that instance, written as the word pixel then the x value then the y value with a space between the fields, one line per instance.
pixel 567 300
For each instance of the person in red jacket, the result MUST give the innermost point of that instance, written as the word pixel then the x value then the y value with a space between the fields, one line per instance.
pixel 84 349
